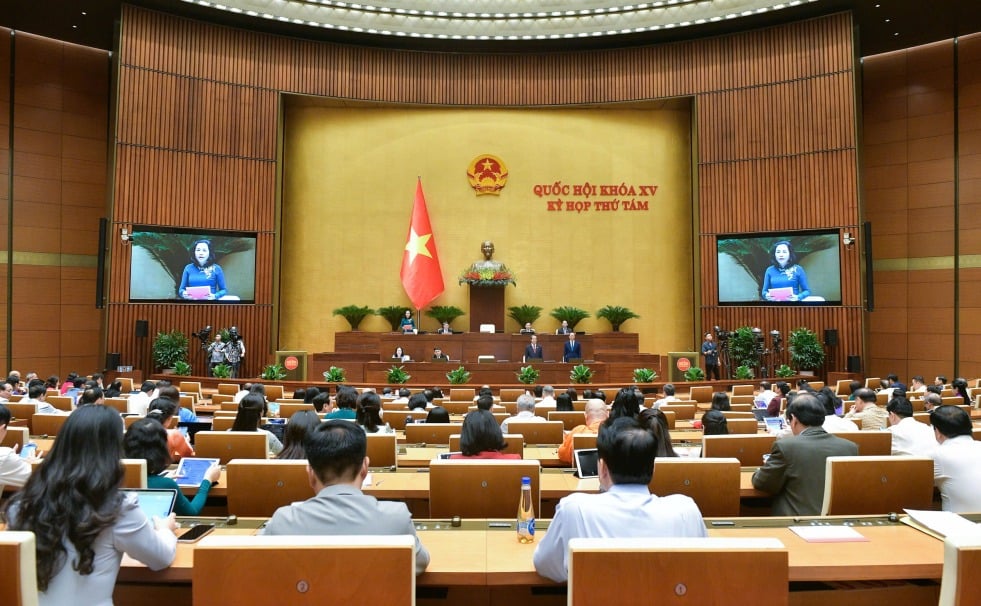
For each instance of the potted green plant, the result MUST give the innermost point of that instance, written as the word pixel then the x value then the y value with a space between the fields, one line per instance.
pixel 615 315
pixel 524 314
pixel 458 376
pixel 354 314
pixel 742 346
pixel 169 348
pixel 221 371
pixel 182 368
pixel 644 375
pixel 744 372
pixel 334 375
pixel 572 315
pixel 580 373
pixel 392 313
pixel 444 313
pixel 397 375
pixel 806 351
pixel 273 372
pixel 527 375
pixel 784 371
pixel 694 374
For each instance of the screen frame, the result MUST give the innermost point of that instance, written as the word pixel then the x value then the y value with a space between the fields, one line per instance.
pixel 204 233
pixel 788 235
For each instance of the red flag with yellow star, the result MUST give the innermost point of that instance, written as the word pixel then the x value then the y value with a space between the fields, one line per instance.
pixel 422 278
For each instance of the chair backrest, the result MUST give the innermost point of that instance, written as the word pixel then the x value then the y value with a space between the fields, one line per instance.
pixel 273 392
pixel 125 384
pixel 680 565
pixel 387 406
pixel 458 408
pixel 748 449
pixel 462 394
pixel 701 394
pixel 220 398
pixel 671 417
pixel 60 402
pixel 737 414
pixel 129 420
pixel 134 473
pixel 712 483
pixel 882 399
pixel 228 445
pixel 191 387
pixel 18 561
pixel 747 399
pixel 16 436
pixel 581 441
pixel 118 403
pixel 301 570
pixel 396 418
pixel 961 583
pixel 382 451
pixel 742 390
pixel 47 424
pixel 922 417
pixel 515 444
pixel 681 411
pixel 23 411
pixel 877 485
pixel 510 394
pixel 228 389
pixel 870 443
pixel 222 422
pixel 843 388
pixel 743 426
pixel 873 382
pixel 431 433
pixel 569 418
pixel 260 487
pixel 287 410
pixel 480 488
pixel 549 432
pixel 736 407
pixel 816 385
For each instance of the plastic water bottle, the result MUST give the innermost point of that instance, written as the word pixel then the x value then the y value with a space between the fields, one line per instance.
pixel 526 513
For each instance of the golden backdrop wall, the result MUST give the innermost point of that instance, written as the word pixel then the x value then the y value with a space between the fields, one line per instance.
pixel 349 177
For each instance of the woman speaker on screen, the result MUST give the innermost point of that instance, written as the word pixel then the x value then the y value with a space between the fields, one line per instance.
pixel 202 278
pixel 785 280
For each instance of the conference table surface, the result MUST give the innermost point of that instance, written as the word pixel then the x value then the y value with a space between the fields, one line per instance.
pixel 414 484
pixel 476 554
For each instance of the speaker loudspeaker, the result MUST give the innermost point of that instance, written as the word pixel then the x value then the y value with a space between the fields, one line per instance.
pixel 112 361
pixel 831 337
pixel 142 328
pixel 854 364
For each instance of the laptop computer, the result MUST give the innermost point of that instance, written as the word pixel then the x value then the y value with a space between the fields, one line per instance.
pixel 773 424
pixel 587 462
pixel 155 502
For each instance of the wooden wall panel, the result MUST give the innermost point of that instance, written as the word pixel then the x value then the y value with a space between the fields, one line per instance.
pixel 776 149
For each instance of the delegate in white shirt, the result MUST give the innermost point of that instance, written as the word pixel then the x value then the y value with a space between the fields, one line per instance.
pixel 957 474
pixel 910 437
pixel 524 416
pixel 626 510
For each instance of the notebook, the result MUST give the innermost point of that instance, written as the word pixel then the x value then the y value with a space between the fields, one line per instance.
pixel 202 292
pixel 155 502
pixel 781 294
pixel 190 471
pixel 587 462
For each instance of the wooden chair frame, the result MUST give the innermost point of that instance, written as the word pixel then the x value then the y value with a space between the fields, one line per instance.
pixel 748 449
pixel 877 485
pixel 228 445
pixel 480 488
pixel 260 487
pixel 549 432
pixel 712 483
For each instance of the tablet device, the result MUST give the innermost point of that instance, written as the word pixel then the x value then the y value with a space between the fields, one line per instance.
pixel 190 471
pixel 773 424
pixel 587 462
pixel 155 502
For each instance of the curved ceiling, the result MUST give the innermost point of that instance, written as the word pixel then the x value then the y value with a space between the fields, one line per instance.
pixel 499 20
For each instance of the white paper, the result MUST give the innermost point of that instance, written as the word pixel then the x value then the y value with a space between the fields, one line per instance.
pixel 944 523
pixel 828 534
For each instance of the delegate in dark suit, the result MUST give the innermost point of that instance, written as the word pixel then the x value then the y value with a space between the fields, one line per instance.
pixel 571 350
pixel 533 351
pixel 794 473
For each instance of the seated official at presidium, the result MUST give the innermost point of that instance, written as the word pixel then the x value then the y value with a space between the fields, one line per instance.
pixel 337 466
pixel 625 508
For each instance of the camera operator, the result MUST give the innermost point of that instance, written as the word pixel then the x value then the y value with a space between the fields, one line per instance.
pixel 234 350
pixel 711 352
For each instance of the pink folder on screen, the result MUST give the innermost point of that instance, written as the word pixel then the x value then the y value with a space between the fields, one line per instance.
pixel 781 294
pixel 202 292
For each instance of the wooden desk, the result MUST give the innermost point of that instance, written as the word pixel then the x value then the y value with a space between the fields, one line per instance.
pixel 477 556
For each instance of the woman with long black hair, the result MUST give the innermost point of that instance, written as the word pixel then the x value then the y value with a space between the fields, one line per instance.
pixel 81 522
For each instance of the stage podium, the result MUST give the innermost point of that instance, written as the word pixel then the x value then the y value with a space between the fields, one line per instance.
pixel 486 307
